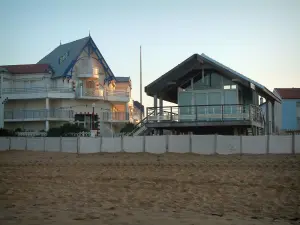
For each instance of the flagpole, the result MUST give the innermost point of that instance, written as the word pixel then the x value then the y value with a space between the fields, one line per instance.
pixel 141 83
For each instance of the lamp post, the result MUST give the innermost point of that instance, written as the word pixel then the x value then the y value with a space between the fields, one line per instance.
pixel 93 105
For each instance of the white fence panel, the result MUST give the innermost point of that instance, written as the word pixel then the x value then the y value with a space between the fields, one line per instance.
pixel 111 144
pixel 18 143
pixel 228 145
pixel 35 144
pixel 4 143
pixel 280 144
pixel 203 144
pixel 179 143
pixel 69 144
pixel 254 144
pixel 89 145
pixel 52 144
pixel 297 143
pixel 133 144
pixel 155 144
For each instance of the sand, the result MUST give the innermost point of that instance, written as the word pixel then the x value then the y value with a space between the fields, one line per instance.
pixel 169 189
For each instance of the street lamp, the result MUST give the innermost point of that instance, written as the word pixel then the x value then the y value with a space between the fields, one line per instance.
pixel 93 105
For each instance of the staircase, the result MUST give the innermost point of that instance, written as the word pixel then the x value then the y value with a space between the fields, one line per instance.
pixel 140 128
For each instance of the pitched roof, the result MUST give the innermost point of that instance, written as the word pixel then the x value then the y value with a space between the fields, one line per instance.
pixel 28 68
pixel 138 105
pixel 167 83
pixel 288 93
pixel 70 50
pixel 122 79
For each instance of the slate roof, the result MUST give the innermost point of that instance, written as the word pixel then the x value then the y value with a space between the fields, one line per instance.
pixel 73 49
pixel 28 68
pixel 122 79
pixel 288 93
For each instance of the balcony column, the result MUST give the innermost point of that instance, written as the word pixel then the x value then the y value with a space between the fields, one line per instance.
pixel 47 114
pixel 273 117
pixel 127 116
pixel 267 127
pixel 160 106
pixel 155 104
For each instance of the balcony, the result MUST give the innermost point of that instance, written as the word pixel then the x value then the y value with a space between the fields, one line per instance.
pixel 38 93
pixel 114 117
pixel 38 115
pixel 113 96
pixel 118 96
pixel 206 113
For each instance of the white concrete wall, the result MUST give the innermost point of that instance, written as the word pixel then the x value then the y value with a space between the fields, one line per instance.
pixel 203 144
pixel 254 144
pixel 17 143
pixel 228 145
pixel 155 144
pixel 69 144
pixel 111 144
pixel 36 143
pixel 179 143
pixel 280 144
pixel 297 144
pixel 52 144
pixel 4 143
pixel 89 145
pixel 133 144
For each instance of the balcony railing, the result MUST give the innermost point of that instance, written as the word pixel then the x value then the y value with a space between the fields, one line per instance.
pixel 36 90
pixel 114 116
pixel 38 114
pixel 205 113
pixel 103 94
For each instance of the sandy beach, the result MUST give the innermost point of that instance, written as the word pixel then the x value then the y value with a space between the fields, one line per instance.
pixel 169 189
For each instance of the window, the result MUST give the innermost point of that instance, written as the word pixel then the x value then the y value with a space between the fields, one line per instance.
pixel 298 109
pixel 95 70
pixel 90 84
pixel 227 87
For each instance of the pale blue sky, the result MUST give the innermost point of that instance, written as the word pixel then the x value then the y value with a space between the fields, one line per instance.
pixel 259 38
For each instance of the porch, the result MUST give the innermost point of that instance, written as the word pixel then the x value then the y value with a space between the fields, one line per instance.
pixel 204 116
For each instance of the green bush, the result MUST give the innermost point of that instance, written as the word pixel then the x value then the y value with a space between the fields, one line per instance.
pixel 64 130
pixel 6 132
pixel 127 128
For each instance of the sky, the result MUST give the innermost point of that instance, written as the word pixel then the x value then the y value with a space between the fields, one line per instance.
pixel 258 38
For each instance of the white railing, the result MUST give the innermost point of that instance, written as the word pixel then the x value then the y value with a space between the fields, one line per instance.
pixel 37 90
pixel 38 114
pixel 114 116
pixel 31 134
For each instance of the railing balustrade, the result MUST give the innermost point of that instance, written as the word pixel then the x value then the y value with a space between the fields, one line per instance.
pixel 38 114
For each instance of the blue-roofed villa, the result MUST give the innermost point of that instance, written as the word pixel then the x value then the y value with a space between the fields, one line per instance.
pixel 72 83
pixel 207 98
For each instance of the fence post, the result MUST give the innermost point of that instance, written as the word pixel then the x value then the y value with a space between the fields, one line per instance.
pixel 78 144
pixel 268 144
pixel 144 143
pixel 122 143
pixel 241 145
pixel 100 143
pixel 44 144
pixel 190 143
pixel 167 143
pixel 215 144
pixel 293 143
pixel 9 143
pixel 60 144
pixel 26 144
